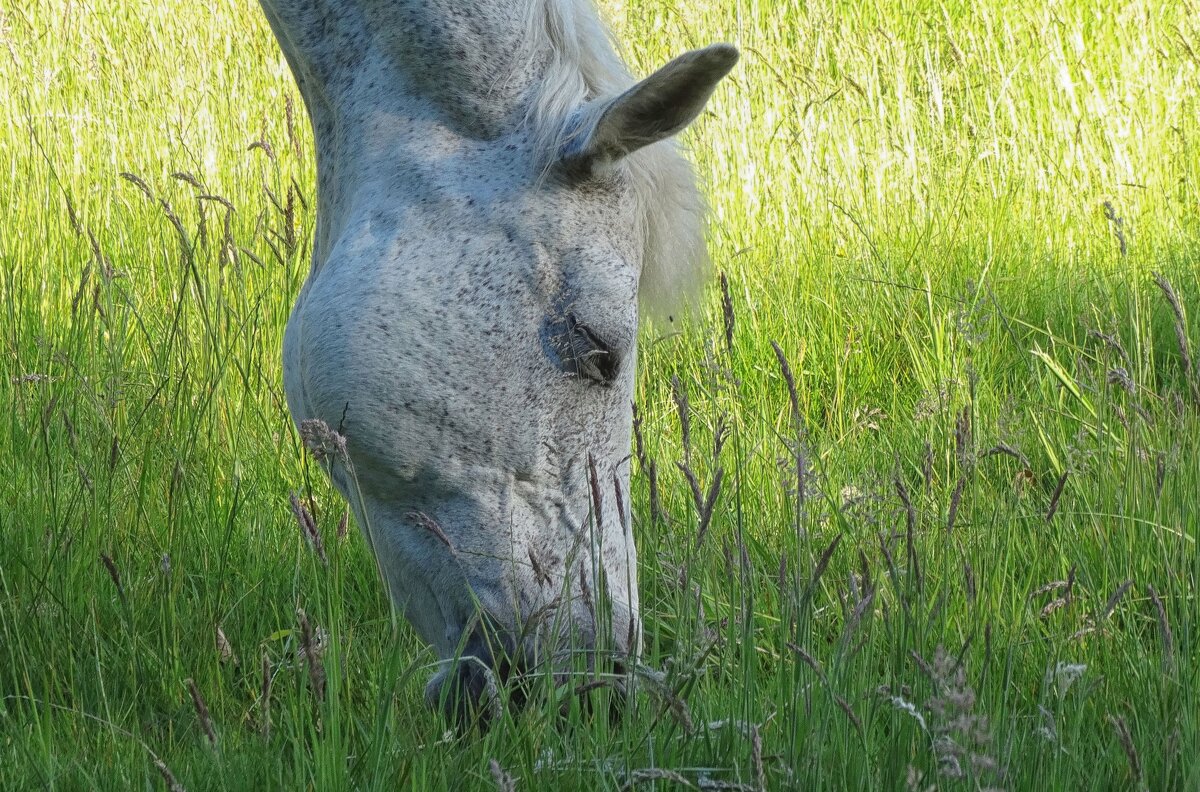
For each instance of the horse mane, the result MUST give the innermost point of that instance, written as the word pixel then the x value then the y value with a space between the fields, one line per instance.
pixel 583 64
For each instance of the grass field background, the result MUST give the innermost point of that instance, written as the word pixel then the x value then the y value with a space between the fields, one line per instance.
pixel 957 550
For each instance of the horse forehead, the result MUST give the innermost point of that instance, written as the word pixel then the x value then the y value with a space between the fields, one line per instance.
pixel 489 193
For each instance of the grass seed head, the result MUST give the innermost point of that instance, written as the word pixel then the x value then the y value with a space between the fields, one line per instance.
pixel 185 176
pixel 727 312
pixel 1118 227
pixel 854 719
pixel 790 380
pixel 172 783
pixel 265 147
pixel 504 782
pixel 594 486
pixel 962 737
pixel 639 443
pixel 756 758
pixel 963 439
pixel 312 647
pixel 620 504
pixel 1056 495
pixel 1131 754
pixel 322 441
pixel 1181 336
pixel 431 525
pixel 111 567
pixel 224 649
pixel 140 183
pixel 955 499
pixel 1164 629
pixel 680 397
pixel 343 523
pixel 1115 599
pixel 308 528
pixel 1120 376
pixel 657 684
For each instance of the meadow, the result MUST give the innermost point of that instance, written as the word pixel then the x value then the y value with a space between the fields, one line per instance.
pixel 916 499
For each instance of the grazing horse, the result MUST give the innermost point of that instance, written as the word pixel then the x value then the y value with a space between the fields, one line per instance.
pixel 497 199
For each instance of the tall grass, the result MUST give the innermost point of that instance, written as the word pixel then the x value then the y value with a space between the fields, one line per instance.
pixel 941 422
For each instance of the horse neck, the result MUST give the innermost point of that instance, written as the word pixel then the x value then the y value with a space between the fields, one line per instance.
pixel 480 67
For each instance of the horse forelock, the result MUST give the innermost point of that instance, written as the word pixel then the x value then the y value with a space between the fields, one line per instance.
pixel 583 64
pixel 545 61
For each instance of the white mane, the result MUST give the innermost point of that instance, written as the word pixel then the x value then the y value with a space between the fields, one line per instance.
pixel 584 65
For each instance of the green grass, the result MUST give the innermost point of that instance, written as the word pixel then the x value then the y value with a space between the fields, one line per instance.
pixel 919 205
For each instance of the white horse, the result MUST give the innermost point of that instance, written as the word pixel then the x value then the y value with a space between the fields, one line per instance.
pixel 495 193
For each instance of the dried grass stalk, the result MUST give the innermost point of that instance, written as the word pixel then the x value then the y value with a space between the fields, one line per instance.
pixel 202 713
pixel 653 774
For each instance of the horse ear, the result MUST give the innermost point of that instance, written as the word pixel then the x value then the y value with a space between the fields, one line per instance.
pixel 656 108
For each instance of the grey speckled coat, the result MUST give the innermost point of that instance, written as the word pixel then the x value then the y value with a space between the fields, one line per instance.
pixel 495 193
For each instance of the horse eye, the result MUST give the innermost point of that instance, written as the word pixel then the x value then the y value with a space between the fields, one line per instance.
pixel 581 352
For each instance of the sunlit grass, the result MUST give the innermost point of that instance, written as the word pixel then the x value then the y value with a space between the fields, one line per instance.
pixel 949 221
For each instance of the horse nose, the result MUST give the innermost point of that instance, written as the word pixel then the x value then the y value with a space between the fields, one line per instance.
pixel 493 670
pixel 468 687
